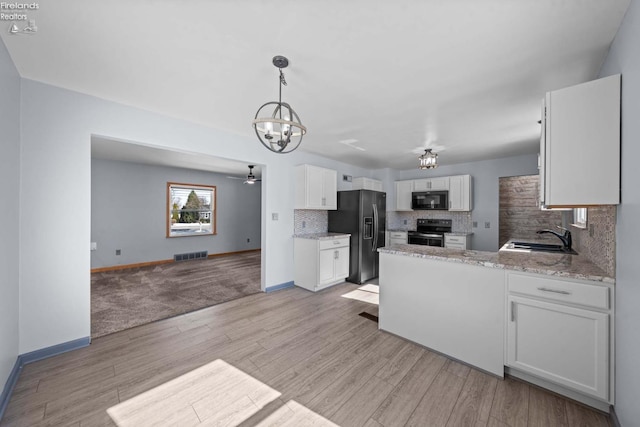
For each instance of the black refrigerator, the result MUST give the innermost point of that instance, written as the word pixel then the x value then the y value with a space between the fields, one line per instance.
pixel 361 213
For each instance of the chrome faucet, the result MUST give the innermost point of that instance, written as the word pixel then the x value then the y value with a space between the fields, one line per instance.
pixel 565 237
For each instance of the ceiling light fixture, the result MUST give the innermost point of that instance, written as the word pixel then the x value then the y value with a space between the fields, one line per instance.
pixel 280 129
pixel 428 160
pixel 251 178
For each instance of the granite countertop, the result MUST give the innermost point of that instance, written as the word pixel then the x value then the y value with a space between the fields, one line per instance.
pixel 321 236
pixel 552 264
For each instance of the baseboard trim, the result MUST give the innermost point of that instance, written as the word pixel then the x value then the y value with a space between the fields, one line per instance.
pixel 34 356
pixel 163 261
pixel 614 417
pixel 284 285
pixel 9 386
pixel 54 350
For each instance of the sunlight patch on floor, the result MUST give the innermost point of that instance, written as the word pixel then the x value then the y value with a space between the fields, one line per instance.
pixel 216 394
pixel 366 293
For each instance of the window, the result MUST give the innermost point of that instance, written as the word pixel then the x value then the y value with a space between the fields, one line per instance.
pixel 191 210
pixel 580 217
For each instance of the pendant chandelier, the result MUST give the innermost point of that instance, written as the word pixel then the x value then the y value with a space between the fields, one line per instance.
pixel 428 160
pixel 277 125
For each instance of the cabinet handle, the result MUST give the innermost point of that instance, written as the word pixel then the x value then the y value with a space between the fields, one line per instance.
pixel 324 201
pixel 513 311
pixel 336 242
pixel 449 204
pixel 336 254
pixel 555 291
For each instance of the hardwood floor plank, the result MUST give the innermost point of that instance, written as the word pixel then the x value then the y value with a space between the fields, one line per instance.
pixel 474 402
pixel 546 409
pixel 511 403
pixel 360 407
pixel 580 416
pixel 457 368
pixel 401 363
pixel 329 400
pixel 397 407
pixel 63 411
pixel 437 404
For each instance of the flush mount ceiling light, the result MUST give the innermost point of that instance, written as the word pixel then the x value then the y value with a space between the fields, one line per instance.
pixel 278 127
pixel 428 160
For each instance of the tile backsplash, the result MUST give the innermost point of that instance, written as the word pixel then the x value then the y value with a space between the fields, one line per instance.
pixel 396 220
pixel 309 221
pixel 598 241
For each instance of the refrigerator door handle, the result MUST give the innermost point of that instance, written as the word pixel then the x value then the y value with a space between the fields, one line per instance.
pixel 375 228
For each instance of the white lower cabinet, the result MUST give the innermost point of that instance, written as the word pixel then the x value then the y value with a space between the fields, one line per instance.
pixel 320 263
pixel 457 242
pixel 397 237
pixel 558 330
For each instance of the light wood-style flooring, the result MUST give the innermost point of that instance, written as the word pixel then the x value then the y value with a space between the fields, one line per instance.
pixel 288 358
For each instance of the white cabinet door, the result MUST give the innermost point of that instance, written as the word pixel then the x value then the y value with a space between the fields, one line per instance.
pixel 460 193
pixel 403 195
pixel 316 188
pixel 429 184
pixel 563 344
pixel 341 263
pixel 441 183
pixel 326 268
pixel 580 151
pixel 421 185
pixel 330 189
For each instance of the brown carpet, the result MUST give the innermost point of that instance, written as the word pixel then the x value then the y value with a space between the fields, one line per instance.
pixel 122 299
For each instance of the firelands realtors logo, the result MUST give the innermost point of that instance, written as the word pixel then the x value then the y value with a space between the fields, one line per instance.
pixel 18 16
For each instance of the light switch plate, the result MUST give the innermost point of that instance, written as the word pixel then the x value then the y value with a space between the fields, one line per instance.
pixel 274 216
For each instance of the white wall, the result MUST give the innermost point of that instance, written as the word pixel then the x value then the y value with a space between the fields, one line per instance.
pixel 57 125
pixel 624 58
pixel 9 177
pixel 485 190
pixel 128 212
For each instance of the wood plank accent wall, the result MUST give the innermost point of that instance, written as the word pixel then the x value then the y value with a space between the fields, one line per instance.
pixel 519 214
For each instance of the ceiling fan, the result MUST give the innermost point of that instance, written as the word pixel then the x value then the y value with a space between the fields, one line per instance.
pixel 251 178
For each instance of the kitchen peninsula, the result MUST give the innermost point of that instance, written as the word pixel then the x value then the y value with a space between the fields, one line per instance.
pixel 546 317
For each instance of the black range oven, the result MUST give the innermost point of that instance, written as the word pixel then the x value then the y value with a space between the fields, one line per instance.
pixel 429 232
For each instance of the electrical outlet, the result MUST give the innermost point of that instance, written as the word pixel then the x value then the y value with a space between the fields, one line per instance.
pixel 475 224
pixel 487 224
pixel 118 251
pixel 94 246
pixel 274 216
pixel 405 222
pixel 248 240
pixel 347 178
pixel 591 230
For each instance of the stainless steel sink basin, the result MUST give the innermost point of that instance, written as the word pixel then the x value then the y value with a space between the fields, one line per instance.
pixel 540 247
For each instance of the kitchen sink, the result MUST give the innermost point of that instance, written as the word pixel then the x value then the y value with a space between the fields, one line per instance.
pixel 539 247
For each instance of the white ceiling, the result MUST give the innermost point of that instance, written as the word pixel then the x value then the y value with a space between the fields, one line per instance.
pixel 462 76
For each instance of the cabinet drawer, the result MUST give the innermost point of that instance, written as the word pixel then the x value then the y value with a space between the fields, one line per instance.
pixel 450 245
pixel 394 235
pixel 560 290
pixel 334 243
pixel 455 239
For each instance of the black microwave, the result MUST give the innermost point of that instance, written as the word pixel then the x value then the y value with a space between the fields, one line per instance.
pixel 430 200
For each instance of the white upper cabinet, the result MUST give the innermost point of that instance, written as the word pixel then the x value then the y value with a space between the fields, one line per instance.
pixel 431 184
pixel 460 193
pixel 403 195
pixel 316 188
pixel 580 145
pixel 362 183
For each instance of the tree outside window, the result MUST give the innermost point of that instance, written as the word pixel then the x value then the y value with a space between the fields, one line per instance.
pixel 191 210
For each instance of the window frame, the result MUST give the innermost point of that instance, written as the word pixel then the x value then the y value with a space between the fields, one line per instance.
pixel 577 218
pixel 213 208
